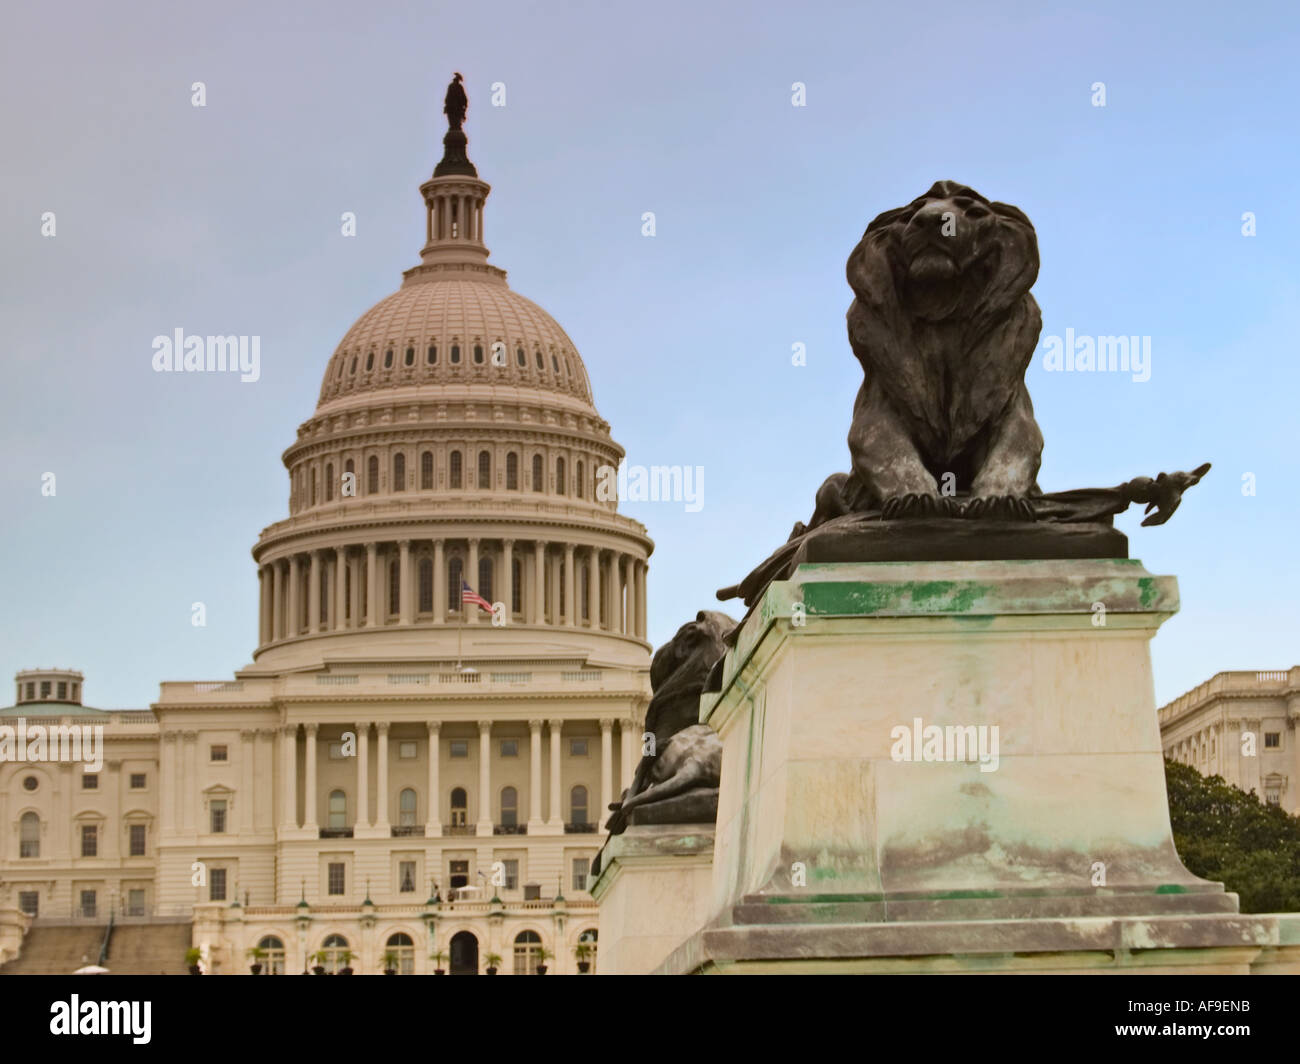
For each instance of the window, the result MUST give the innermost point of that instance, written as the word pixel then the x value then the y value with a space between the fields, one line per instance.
pixel 509 807
pixel 406 877
pixel 335 877
pixel 539 480
pixel 454 470
pixel 459 810
pixel 410 356
pixel 31 691
pixel 217 816
pixel 485 470
pixel 584 592
pixel 313 486
pixel 512 472
pixel 394 587
pixel 273 962
pixel 578 805
pixel 406 807
pixel 527 946
pixel 431 356
pixel 1272 740
pixel 403 950
pixel 216 884
pixel 88 903
pixel 136 835
pixel 459 874
pixel 516 586
pixel 370 361
pixel 509 747
pixel 520 357
pixel 89 840
pixel 338 810
pixel 485 578
pixel 426 471
pixel 561 488
pixel 459 748
pixel 218 753
pixel 63 691
pixel 541 364
pixel 399 472
pixel 89 781
pixel 555 365
pixel 135 901
pixel 329 481
pixel 29 835
pixel 45 688
pixel 581 865
pixel 577 747
pixel 372 475
pixel 406 749
pixel 511 870
pixel 455 576
pixel 589 939
pixel 30 783
pixel 29 901
pixel 388 359
pixel 478 354
pixel 334 952
pixel 425 582
pixel 455 353
pixel 353 368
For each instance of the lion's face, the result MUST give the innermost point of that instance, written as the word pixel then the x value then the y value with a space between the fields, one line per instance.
pixel 695 647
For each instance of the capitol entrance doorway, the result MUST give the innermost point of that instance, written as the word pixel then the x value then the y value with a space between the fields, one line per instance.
pixel 464 954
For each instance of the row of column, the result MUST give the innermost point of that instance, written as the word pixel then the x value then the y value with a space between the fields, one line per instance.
pixel 630 744
pixel 334 602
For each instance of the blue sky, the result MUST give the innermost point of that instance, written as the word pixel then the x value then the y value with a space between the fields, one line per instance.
pixel 224 219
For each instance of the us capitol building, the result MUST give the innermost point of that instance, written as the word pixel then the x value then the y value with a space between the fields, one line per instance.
pixel 397 774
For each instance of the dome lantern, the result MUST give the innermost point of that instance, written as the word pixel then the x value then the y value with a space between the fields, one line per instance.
pixel 454 196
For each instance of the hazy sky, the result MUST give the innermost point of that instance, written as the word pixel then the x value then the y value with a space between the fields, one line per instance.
pixel 225 219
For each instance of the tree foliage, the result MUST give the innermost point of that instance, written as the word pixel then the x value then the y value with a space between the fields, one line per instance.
pixel 1227 835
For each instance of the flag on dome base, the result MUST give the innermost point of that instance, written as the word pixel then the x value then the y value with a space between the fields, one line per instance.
pixel 468 595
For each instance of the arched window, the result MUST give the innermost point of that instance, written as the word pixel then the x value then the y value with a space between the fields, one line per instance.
pixel 520 357
pixel 29 835
pixel 485 578
pixel 541 364
pixel 555 364
pixel 578 805
pixel 455 353
pixel 410 356
pixel 453 470
pixel 338 810
pixel 273 962
pixel 589 939
pixel 431 356
pixel 512 472
pixel 455 576
pixel 403 953
pixel 313 485
pixel 329 482
pixel 485 470
pixel 426 471
pixel 478 354
pixel 388 359
pixel 370 361
pixel 516 586
pixel 353 369
pixel 561 488
pixel 406 808
pixel 426 585
pixel 399 472
pixel 334 954
pixel 350 467
pixel 580 489
pixel 528 945
pixel 459 807
pixel 372 475
pixel 394 587
pixel 509 807
pixel 539 479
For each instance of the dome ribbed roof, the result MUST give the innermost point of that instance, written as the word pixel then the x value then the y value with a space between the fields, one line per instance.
pixel 412 337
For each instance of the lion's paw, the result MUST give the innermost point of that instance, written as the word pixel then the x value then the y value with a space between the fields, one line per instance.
pixel 913 505
pixel 1000 508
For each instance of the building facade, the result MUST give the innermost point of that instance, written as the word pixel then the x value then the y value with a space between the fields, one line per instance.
pixel 1241 726
pixel 399 778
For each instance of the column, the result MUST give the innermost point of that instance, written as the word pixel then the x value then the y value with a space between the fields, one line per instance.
pixel 363 776
pixel 534 775
pixel 556 809
pixel 629 608
pixel 538 612
pixel 508 578
pixel 244 799
pixel 381 777
pixel 439 583
pixel 484 778
pixel 313 590
pixel 627 743
pixel 289 776
pixel 640 599
pixel 404 592
pixel 167 783
pixel 433 817
pixel 614 599
pixel 372 585
pixel 569 582
pixel 294 625
pixel 593 586
pixel 310 799
pixel 263 605
pixel 188 777
pixel 606 767
pixel 340 588
pixel 471 577
pixel 277 605
pixel 555 596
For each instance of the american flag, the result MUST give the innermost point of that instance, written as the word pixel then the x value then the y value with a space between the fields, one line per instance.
pixel 469 595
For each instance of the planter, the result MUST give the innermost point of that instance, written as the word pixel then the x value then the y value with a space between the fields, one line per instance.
pixel 345 971
pixel 318 969
pixel 256 969
pixel 195 970
pixel 541 969
pixel 390 971
pixel 439 971
pixel 490 971
pixel 584 967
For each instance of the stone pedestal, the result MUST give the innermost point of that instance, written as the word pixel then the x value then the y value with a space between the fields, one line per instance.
pixel 950 766
pixel 652 884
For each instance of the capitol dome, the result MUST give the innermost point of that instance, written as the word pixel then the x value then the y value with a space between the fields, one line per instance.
pixel 455 447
